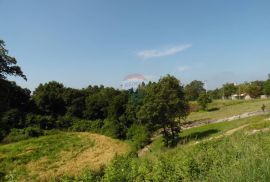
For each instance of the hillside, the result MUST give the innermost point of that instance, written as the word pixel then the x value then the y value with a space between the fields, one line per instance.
pixel 229 151
pixel 49 157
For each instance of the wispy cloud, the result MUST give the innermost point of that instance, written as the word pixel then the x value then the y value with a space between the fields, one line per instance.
pixel 182 68
pixel 146 54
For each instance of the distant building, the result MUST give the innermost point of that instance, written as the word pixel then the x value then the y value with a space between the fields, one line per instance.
pixel 247 97
pixel 264 96
pixel 234 97
pixel 241 97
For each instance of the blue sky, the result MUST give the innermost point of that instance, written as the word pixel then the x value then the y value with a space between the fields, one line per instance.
pixel 83 42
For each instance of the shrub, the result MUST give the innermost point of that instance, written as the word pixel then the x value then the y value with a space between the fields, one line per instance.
pixel 45 122
pixel 10 119
pixel 64 122
pixel 111 128
pixel 16 135
pixel 139 135
pixel 203 100
pixel 87 125
pixel 33 132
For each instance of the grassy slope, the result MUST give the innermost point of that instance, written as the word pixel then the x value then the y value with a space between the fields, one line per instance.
pixel 212 130
pixel 222 109
pixel 51 156
pixel 240 156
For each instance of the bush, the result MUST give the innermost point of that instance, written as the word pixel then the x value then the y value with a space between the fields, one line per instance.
pixel 33 132
pixel 10 119
pixel 203 100
pixel 111 128
pixel 16 135
pixel 87 126
pixel 119 169
pixel 64 122
pixel 45 122
pixel 139 135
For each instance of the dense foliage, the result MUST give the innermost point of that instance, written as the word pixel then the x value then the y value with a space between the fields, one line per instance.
pixel 203 100
pixel 132 114
pixel 194 89
pixel 116 113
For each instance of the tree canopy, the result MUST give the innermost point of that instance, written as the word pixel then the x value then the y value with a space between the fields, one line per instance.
pixel 164 107
pixel 8 64
pixel 194 89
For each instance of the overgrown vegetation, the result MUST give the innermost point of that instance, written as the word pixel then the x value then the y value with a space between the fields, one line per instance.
pixel 229 154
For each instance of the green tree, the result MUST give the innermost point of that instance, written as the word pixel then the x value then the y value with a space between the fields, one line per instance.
pixel 229 89
pixel 215 94
pixel 13 96
pixel 8 64
pixel 49 98
pixel 194 89
pixel 266 88
pixel 97 102
pixel 203 100
pixel 75 102
pixel 164 107
pixel 255 89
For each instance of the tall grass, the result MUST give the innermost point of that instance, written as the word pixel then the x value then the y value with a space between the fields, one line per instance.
pixel 236 158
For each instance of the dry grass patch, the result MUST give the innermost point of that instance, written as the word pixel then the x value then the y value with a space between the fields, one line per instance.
pixel 50 157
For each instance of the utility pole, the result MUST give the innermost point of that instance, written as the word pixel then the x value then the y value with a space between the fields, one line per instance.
pixel 223 97
pixel 205 84
pixel 239 92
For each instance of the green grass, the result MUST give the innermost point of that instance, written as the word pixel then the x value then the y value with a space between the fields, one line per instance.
pixel 237 157
pixel 223 109
pixel 52 156
pixel 15 157
pixel 212 130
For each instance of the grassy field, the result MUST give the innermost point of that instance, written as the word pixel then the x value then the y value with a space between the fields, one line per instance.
pixel 196 134
pixel 220 109
pixel 234 152
pixel 49 157
pixel 237 150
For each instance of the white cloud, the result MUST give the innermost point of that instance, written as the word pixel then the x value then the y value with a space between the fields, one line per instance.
pixel 146 54
pixel 182 68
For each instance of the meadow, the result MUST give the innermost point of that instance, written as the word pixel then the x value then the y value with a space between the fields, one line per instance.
pixel 231 153
pixel 220 109
pixel 49 157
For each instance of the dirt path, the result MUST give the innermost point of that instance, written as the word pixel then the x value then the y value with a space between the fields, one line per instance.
pixel 146 149
pixel 232 118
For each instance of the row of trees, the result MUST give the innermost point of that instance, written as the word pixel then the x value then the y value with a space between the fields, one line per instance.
pixel 131 114
pixel 106 110
pixel 254 89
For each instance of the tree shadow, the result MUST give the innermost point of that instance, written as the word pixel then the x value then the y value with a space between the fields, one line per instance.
pixel 2 176
pixel 197 136
pixel 213 109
